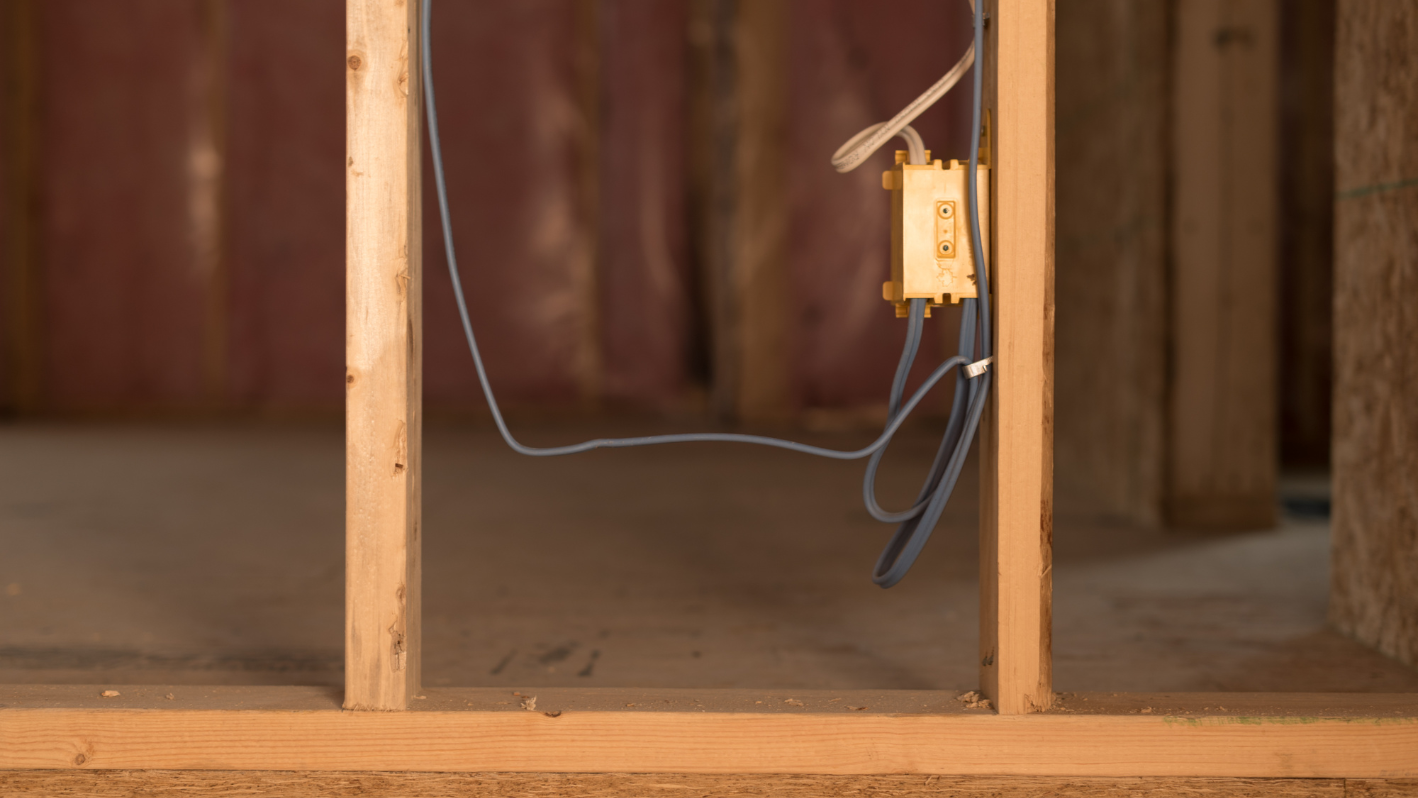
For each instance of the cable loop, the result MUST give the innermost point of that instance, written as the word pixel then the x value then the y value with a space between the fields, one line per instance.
pixel 918 521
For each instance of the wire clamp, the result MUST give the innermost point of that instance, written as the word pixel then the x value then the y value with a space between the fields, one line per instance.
pixel 978 367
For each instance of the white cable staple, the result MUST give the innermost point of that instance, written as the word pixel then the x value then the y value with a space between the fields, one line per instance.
pixel 978 367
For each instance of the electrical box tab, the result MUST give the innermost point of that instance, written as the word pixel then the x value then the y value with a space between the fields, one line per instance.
pixel 931 254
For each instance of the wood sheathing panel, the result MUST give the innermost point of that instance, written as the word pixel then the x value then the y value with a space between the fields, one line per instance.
pixel 1376 358
pixel 1112 71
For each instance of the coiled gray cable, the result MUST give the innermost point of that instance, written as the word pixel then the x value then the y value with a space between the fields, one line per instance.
pixel 916 522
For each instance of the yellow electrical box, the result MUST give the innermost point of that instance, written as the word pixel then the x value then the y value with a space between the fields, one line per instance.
pixel 931 255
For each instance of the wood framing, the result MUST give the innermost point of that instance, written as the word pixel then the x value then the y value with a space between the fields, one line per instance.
pixel 183 783
pixel 1375 548
pixel 1016 519
pixel 293 728
pixel 1223 450
pixel 383 353
pixel 739 112
pixel 1030 732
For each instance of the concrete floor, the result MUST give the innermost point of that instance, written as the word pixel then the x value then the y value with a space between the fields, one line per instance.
pixel 213 555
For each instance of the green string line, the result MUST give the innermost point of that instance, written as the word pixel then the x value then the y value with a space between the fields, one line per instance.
pixel 1377 188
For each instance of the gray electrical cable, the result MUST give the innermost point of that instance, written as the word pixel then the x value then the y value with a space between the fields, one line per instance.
pixel 920 519
pixel 859 147
pixel 913 533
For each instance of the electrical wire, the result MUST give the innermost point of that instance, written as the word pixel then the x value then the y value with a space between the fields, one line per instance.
pixel 860 147
pixel 916 522
pixel 971 395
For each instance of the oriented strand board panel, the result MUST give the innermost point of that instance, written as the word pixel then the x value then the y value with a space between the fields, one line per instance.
pixel 1110 390
pixel 1223 454
pixel 1374 594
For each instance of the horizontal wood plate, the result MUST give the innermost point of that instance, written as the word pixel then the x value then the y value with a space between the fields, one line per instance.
pixel 253 784
pixel 302 730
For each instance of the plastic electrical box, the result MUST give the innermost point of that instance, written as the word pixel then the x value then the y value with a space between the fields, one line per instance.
pixel 931 254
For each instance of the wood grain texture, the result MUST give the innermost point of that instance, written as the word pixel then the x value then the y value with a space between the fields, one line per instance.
pixel 710 742
pixel 1222 446
pixel 760 242
pixel 739 95
pixel 1113 70
pixel 1380 788
pixel 1016 521
pixel 1375 554
pixel 383 354
pixel 161 784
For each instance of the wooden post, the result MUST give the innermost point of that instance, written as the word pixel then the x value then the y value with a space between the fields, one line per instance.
pixel 739 104
pixel 1016 522
pixel 1223 450
pixel 1111 401
pixel 383 353
pixel 1374 593
pixel 760 249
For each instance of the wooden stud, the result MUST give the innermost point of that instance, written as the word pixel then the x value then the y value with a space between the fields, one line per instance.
pixel 739 186
pixel 760 247
pixel 1223 454
pixel 1016 520
pixel 384 353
